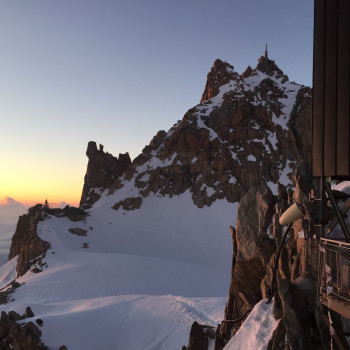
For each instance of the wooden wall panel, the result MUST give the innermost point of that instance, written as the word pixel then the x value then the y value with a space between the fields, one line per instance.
pixel 343 91
pixel 331 76
pixel 318 85
pixel 330 88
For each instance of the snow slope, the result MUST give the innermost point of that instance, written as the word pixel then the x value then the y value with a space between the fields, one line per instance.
pixel 256 330
pixel 146 276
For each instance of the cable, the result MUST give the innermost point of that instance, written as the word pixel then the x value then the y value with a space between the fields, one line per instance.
pixel 276 263
pixel 240 318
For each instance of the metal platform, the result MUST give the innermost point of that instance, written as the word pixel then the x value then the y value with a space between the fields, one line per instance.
pixel 334 275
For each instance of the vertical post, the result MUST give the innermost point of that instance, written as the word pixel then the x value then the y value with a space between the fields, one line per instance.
pixel 320 207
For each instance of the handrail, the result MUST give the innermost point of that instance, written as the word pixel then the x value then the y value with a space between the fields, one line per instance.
pixel 335 241
pixel 334 273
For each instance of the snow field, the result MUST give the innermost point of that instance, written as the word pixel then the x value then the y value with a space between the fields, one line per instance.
pixel 146 277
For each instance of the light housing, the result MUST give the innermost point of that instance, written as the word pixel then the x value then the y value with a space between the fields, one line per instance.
pixel 293 213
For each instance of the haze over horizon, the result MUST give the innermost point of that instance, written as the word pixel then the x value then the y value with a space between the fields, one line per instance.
pixel 116 72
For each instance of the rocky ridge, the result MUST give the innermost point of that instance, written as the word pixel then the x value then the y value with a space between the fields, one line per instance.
pixel 103 168
pixel 248 130
pixel 26 243
pixel 15 333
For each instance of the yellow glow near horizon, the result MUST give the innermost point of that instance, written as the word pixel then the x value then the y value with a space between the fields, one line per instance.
pixel 30 183
pixel 35 191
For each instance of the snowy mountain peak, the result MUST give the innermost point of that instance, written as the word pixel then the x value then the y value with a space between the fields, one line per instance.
pixel 223 73
pixel 270 68
pixel 246 131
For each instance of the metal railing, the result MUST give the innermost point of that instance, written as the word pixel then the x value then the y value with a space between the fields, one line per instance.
pixel 334 269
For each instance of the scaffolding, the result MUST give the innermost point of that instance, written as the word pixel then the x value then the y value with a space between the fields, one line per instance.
pixel 334 275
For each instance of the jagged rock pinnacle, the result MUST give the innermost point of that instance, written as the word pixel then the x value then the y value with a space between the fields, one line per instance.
pixel 102 170
pixel 269 67
pixel 220 74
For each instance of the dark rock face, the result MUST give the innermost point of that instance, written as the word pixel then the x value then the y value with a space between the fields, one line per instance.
pixel 199 337
pixel 77 231
pixel 300 126
pixel 252 250
pixel 248 72
pixel 129 203
pixel 6 295
pixel 29 312
pixel 26 243
pixel 269 67
pixel 23 336
pixel 102 170
pixel 254 216
pixel 220 74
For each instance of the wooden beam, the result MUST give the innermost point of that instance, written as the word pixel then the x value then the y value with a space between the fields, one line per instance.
pixel 342 308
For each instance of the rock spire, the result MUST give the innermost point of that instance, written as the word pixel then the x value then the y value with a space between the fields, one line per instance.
pixel 102 170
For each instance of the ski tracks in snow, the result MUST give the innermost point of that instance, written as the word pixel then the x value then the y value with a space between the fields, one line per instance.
pixel 193 310
pixel 257 329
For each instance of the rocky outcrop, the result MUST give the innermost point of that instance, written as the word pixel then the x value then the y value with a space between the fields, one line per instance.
pixel 254 216
pixel 7 291
pixel 102 170
pixel 29 247
pixel 26 243
pixel 300 126
pixel 247 73
pixel 19 335
pixel 77 231
pixel 129 203
pixel 199 337
pixel 220 74
pixel 252 250
pixel 270 68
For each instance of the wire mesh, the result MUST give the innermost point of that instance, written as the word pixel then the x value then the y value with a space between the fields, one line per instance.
pixel 334 272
